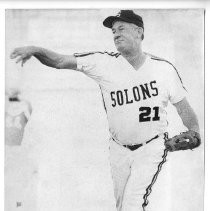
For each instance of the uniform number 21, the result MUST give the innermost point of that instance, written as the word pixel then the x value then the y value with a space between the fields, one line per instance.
pixel 145 114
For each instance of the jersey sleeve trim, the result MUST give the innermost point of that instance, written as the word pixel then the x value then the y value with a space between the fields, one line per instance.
pixel 103 99
pixel 96 52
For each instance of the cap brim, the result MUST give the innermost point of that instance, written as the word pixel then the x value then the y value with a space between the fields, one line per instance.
pixel 108 22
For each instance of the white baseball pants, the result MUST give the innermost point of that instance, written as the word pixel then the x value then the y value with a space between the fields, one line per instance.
pixel 135 172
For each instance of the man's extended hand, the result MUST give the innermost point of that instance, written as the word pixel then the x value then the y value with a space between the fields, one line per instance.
pixel 22 54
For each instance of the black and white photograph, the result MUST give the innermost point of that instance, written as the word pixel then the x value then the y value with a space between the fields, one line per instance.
pixel 104 109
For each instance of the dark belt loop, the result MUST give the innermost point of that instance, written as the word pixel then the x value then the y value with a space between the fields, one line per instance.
pixel 166 135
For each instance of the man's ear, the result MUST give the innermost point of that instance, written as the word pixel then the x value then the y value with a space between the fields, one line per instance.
pixel 140 32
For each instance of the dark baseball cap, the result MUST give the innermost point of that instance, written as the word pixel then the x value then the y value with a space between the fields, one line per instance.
pixel 124 15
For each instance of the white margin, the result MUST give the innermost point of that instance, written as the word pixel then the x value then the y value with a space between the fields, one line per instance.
pixel 105 4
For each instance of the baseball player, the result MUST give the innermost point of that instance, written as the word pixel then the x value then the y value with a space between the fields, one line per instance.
pixel 17 114
pixel 136 88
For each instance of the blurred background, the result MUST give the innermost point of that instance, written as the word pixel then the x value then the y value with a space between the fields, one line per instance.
pixel 62 162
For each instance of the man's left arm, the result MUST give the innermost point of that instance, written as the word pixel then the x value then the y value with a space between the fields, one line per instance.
pixel 189 139
pixel 187 115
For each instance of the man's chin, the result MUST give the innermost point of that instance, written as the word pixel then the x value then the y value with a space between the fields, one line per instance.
pixel 120 48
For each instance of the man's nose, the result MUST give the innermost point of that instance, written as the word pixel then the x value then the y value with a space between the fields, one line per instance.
pixel 116 36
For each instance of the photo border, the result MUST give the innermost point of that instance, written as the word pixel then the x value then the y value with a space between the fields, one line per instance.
pixel 108 5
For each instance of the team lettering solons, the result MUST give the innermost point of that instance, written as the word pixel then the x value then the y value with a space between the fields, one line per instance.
pixel 140 92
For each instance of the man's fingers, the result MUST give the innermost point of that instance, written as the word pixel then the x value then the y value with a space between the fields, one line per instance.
pixel 23 62
pixel 16 52
pixel 22 55
pixel 19 59
pixel 25 59
pixel 13 55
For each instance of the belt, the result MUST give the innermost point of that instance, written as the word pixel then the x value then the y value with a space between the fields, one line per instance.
pixel 134 147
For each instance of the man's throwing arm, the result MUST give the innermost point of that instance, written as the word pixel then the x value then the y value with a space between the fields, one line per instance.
pixel 46 57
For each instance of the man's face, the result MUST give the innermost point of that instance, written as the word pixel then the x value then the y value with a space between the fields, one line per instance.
pixel 126 36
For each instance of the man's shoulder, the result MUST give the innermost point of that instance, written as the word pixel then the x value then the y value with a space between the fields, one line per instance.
pixel 160 61
pixel 166 66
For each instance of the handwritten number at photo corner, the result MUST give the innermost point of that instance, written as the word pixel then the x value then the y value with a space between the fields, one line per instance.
pixel 18 204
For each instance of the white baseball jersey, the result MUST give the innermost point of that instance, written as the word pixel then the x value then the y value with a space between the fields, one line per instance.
pixel 135 100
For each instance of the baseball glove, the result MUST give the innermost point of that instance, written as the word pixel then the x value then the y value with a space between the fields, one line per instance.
pixel 186 140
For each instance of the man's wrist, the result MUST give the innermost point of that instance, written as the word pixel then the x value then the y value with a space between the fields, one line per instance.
pixel 34 50
pixel 195 129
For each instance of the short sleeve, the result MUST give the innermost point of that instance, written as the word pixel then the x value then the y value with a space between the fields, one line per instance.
pixel 90 65
pixel 177 90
